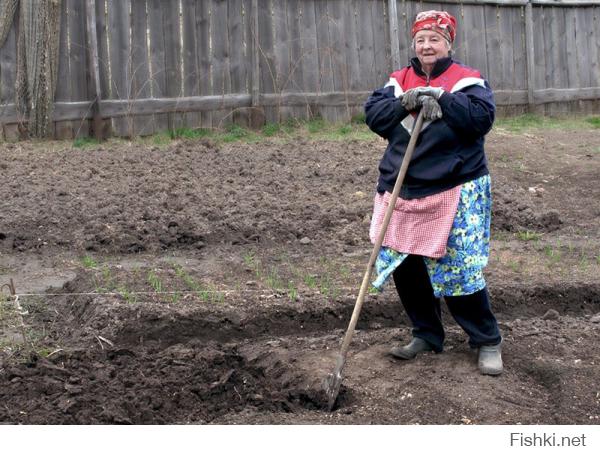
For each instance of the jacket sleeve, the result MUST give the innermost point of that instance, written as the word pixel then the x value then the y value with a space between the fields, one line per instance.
pixel 384 111
pixel 470 111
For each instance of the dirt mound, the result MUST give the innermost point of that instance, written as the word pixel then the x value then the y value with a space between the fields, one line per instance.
pixel 183 383
pixel 155 362
pixel 185 196
pixel 515 211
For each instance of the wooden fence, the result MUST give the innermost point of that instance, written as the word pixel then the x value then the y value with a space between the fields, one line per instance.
pixel 153 65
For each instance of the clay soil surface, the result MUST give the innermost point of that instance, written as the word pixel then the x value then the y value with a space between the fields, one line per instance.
pixel 197 282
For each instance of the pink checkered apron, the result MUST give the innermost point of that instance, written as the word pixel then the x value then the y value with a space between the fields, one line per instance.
pixel 418 226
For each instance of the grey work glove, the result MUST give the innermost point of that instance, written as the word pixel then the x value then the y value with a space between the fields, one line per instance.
pixel 410 99
pixel 430 107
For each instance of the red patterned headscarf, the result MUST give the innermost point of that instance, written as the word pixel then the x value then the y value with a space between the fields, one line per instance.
pixel 437 21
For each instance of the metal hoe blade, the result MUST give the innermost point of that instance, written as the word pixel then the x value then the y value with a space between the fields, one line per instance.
pixel 333 381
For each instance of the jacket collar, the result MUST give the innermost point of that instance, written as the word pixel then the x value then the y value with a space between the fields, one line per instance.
pixel 440 66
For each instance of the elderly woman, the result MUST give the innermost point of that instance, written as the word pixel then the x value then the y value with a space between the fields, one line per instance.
pixel 437 242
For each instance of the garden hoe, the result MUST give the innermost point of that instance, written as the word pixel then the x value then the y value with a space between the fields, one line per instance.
pixel 334 380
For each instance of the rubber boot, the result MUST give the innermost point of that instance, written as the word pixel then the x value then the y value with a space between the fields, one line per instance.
pixel 490 360
pixel 411 350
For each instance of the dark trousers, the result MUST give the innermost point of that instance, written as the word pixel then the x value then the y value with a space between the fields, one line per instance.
pixel 472 312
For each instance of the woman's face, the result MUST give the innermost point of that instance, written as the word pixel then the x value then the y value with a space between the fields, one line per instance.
pixel 430 46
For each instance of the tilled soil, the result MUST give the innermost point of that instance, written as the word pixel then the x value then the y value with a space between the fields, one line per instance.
pixel 211 283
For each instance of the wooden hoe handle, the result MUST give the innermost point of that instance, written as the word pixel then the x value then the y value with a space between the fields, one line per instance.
pixel 334 380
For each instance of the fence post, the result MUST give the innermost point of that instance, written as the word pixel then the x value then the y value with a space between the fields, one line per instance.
pixel 394 40
pixel 257 117
pixel 93 68
pixel 530 54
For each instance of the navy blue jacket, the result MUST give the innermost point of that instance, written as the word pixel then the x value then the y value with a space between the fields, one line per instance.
pixel 449 151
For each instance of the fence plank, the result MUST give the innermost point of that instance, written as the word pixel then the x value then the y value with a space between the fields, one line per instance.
pixel 8 70
pixel 221 72
pixel 310 51
pixel 355 68
pixel 529 50
pixel 519 46
pixel 593 27
pixel 78 60
pixel 8 66
pixel 404 38
pixel 266 52
pixel 173 56
pixel 140 69
pixel 461 44
pixel 325 56
pixel 94 94
pixel 583 46
pixel 551 47
pixel 257 115
pixel 555 23
pixel 506 49
pixel 392 12
pixel 296 57
pixel 238 67
pixel 157 59
pixel 571 45
pixel 539 45
pixel 120 63
pixel 103 58
pixel 204 56
pixel 365 45
pixel 474 24
pixel 561 78
pixel 381 34
pixel 190 60
pixel 493 49
pixel 282 56
pixel 338 63
pixel 63 129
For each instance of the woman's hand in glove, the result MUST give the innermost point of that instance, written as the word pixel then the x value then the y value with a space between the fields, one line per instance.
pixel 410 99
pixel 430 107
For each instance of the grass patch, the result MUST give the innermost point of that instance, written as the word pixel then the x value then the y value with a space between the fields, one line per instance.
pixel 189 133
pixel 554 255
pixel 273 280
pixel 527 236
pixel 315 125
pixel 88 262
pixel 345 130
pixel 127 295
pixel 271 129
pixel 358 119
pixel 594 121
pixel 154 282
pixel 289 130
pixel 292 291
pixel 161 139
pixel 526 122
pixel 82 142
pixel 234 133
pixel 310 281
pixel 207 293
